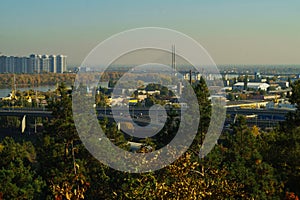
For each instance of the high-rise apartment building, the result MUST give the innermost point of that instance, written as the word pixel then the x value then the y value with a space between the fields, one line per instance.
pixel 25 65
pixel 3 66
pixel 17 62
pixel 61 63
pixel 33 64
pixel 52 63
pixel 34 61
pixel 10 64
pixel 44 64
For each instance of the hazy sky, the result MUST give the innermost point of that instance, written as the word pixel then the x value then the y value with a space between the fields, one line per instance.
pixel 232 31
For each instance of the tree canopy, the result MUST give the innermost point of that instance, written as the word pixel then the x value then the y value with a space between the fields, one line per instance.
pixel 247 163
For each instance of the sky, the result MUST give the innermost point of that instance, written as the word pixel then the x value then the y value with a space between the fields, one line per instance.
pixel 232 31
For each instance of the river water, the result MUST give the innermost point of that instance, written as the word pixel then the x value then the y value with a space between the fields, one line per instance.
pixel 5 92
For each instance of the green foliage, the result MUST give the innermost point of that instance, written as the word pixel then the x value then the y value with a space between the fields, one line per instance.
pixel 246 82
pixel 10 121
pixel 295 97
pixel 283 152
pixel 242 155
pixel 18 176
pixel 247 164
pixel 164 91
pixel 168 132
pixel 58 148
pixel 205 110
pixel 284 149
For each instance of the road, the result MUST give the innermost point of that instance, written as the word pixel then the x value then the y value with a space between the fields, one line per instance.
pixel 263 117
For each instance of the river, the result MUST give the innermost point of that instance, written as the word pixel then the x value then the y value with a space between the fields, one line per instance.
pixel 5 92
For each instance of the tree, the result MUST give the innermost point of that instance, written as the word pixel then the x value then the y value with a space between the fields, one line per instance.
pixel 187 179
pixel 295 97
pixel 58 150
pixel 246 82
pixel 202 93
pixel 284 154
pixel 284 151
pixel 19 179
pixel 169 131
pixel 244 158
pixel 231 96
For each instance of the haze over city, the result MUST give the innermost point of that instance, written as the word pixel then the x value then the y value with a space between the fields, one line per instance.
pixel 233 32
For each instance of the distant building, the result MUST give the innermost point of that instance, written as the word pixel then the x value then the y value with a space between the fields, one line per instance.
pixel 25 65
pixel 13 64
pixel 3 66
pixel 275 86
pixel 251 85
pixel 44 63
pixel 263 80
pixel 10 62
pixel 52 63
pixel 61 63
pixel 283 84
pixel 33 64
pixel 257 76
pixel 85 69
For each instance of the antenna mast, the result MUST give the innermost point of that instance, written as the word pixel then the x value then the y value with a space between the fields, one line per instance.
pixel 174 60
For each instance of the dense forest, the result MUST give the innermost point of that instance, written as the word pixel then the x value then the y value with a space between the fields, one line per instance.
pixel 34 80
pixel 46 79
pixel 247 163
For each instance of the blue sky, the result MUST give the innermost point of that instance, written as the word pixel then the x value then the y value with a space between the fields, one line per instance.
pixel 232 31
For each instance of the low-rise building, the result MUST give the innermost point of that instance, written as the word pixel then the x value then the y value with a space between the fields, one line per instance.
pixel 251 85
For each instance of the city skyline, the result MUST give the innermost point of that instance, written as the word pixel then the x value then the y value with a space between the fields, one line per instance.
pixel 233 32
pixel 34 63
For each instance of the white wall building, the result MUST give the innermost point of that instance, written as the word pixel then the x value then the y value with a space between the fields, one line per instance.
pixel 251 85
